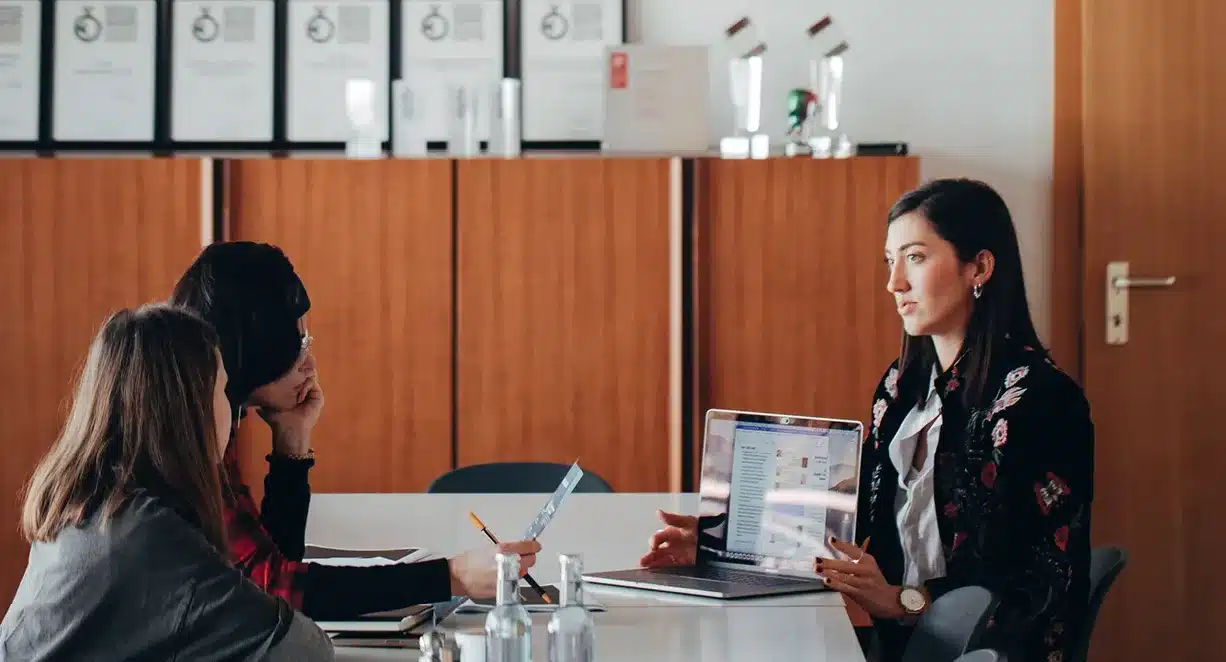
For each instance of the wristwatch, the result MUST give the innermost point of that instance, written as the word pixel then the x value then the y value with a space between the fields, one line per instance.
pixel 912 600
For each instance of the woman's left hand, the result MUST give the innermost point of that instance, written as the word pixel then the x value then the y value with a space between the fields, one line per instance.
pixel 861 580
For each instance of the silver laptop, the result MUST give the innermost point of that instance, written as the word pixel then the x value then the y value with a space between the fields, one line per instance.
pixel 774 489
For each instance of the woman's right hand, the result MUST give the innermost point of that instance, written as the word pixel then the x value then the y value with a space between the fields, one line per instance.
pixel 676 544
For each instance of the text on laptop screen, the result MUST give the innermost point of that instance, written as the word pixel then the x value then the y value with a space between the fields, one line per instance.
pixel 780 489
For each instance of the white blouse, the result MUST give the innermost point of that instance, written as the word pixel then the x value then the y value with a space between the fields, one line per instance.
pixel 915 510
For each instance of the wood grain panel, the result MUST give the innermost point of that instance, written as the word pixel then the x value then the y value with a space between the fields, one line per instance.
pixel 792 315
pixel 79 238
pixel 1066 249
pixel 563 315
pixel 1154 199
pixel 372 241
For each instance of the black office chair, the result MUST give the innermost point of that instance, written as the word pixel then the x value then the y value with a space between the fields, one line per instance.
pixel 983 655
pixel 1106 564
pixel 513 478
pixel 951 626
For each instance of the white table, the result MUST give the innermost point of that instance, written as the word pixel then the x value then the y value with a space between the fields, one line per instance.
pixel 611 531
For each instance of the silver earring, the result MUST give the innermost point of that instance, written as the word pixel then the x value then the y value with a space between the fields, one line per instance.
pixel 977 291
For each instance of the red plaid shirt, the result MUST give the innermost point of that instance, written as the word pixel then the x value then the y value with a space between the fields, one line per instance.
pixel 252 549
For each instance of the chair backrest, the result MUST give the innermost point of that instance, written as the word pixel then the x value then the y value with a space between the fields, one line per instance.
pixel 983 655
pixel 513 478
pixel 1106 564
pixel 951 626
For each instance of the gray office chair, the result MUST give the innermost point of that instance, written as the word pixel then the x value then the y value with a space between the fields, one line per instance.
pixel 1106 564
pixel 983 655
pixel 952 625
pixel 513 478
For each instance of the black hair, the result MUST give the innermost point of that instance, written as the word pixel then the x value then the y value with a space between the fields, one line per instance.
pixel 973 217
pixel 251 295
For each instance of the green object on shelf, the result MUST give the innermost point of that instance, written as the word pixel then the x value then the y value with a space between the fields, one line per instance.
pixel 802 104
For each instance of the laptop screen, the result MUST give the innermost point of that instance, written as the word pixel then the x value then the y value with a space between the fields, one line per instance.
pixel 780 486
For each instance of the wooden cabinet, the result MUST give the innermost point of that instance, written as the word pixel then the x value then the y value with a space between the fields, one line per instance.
pixel 372 241
pixel 563 315
pixel 79 238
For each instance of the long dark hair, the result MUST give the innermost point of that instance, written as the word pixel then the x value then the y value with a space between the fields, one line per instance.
pixel 973 217
pixel 141 419
pixel 251 294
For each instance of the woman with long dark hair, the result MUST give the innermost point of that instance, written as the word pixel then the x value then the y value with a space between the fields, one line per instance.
pixel 125 515
pixel 978 467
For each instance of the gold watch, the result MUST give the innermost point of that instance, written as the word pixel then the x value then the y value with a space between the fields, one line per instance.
pixel 912 600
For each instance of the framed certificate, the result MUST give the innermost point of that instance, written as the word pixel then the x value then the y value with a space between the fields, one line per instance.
pixel 20 43
pixel 222 68
pixel 328 44
pixel 563 66
pixel 104 71
pixel 449 43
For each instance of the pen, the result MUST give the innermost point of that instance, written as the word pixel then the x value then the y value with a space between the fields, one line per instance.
pixel 531 582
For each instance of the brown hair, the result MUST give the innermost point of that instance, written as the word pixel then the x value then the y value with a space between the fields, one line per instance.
pixel 141 419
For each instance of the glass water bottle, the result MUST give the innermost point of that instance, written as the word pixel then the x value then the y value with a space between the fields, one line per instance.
pixel 572 632
pixel 508 627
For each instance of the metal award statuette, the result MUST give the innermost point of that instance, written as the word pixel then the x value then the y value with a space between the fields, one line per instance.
pixel 745 85
pixel 826 77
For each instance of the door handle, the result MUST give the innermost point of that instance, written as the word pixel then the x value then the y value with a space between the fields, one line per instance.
pixel 1124 282
pixel 1118 285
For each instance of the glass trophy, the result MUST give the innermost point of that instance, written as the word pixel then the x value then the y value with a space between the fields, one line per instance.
pixel 829 139
pixel 826 79
pixel 364 140
pixel 504 125
pixel 745 90
pixel 463 103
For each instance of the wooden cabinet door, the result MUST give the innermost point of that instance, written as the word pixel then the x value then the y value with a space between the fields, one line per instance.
pixel 79 239
pixel 563 315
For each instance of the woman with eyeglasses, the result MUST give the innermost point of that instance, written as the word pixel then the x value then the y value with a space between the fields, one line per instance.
pixel 978 466
pixel 126 519
pixel 258 304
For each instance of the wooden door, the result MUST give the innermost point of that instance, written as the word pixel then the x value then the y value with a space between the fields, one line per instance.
pixel 79 238
pixel 1155 197
pixel 372 242
pixel 563 315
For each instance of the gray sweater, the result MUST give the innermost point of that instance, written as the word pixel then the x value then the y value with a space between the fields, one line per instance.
pixel 147 585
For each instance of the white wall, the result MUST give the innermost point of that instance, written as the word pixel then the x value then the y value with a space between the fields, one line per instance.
pixel 967 83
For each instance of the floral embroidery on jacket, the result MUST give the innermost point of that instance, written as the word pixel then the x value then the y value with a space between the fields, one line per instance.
pixel 1016 376
pixel 891 383
pixel 1050 493
pixel 1013 487
pixel 878 411
pixel 1000 433
pixel 1008 399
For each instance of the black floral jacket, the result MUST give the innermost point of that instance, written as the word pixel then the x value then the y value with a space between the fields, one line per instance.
pixel 1013 482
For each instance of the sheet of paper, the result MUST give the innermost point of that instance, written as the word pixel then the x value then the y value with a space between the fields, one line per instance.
pixel 20 45
pixel 555 501
pixel 223 70
pixel 329 44
pixel 104 70
pixel 447 43
pixel 563 66
pixel 364 557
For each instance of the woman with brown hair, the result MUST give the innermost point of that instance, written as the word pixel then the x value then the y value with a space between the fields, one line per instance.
pixel 125 515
